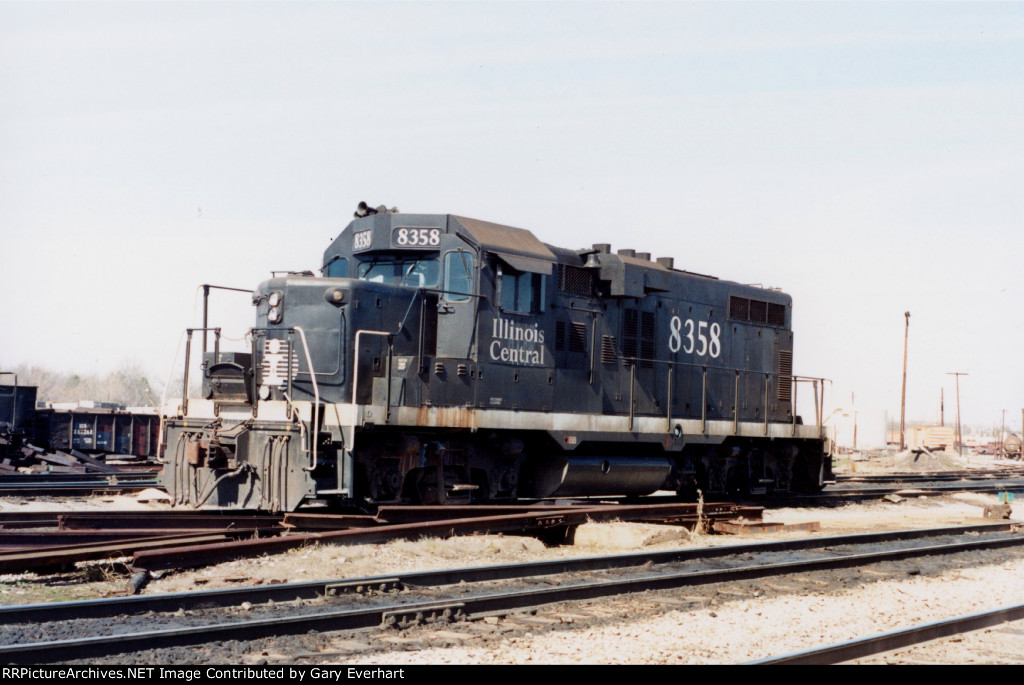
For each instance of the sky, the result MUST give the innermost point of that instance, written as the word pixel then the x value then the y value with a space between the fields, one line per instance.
pixel 867 158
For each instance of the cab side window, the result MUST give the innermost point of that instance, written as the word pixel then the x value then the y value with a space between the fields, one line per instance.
pixel 521 292
pixel 458 276
pixel 338 268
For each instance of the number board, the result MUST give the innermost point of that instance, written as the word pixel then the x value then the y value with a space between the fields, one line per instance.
pixel 408 236
pixel 362 241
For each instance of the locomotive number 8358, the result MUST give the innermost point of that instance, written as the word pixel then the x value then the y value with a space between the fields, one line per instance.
pixel 440 359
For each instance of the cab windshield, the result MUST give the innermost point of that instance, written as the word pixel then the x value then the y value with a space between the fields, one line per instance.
pixel 415 272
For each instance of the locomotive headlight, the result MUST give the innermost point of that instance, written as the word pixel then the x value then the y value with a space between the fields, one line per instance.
pixel 335 296
pixel 274 299
pixel 274 315
pixel 264 392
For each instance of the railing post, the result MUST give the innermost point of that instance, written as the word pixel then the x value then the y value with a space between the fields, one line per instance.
pixel 668 399
pixel 387 402
pixel 736 405
pixel 188 354
pixel 704 400
pixel 315 418
pixel 817 406
pixel 255 375
pixel 288 372
pixel 206 308
pixel 767 387
pixel 632 391
pixel 792 380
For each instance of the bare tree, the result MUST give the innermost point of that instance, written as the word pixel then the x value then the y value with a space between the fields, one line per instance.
pixel 127 385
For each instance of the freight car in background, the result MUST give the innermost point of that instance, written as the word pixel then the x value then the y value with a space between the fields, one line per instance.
pixel 86 426
pixel 442 359
pixel 17 413
pixel 1012 446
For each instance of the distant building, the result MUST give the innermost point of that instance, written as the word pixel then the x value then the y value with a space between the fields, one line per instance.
pixel 930 437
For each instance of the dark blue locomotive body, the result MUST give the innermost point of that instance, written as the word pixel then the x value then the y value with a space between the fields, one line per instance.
pixel 443 359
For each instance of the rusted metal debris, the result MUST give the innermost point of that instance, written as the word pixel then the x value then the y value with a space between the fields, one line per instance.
pixel 109 521
pixel 161 540
pixel 67 555
pixel 30 459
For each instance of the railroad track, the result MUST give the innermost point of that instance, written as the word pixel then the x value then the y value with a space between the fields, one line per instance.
pixel 1014 472
pixel 854 490
pixel 448 597
pixel 189 538
pixel 51 484
pixel 169 540
pixel 896 639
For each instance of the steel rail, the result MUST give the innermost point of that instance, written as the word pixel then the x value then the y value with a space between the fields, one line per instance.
pixel 939 476
pixel 51 483
pixel 142 520
pixel 895 639
pixel 41 541
pixel 61 490
pixel 199 555
pixel 58 477
pixel 28 482
pixel 402 613
pixel 313 589
pixel 22 559
pixel 136 519
pixel 847 492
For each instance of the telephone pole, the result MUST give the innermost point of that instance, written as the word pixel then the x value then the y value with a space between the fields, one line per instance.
pixel 1002 437
pixel 959 435
pixel 903 396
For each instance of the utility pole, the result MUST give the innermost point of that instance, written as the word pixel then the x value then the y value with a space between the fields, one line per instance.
pixel 959 435
pixel 903 396
pixel 1002 438
pixel 942 407
pixel 853 404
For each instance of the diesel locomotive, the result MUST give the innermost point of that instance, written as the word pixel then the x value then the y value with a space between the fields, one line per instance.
pixel 439 359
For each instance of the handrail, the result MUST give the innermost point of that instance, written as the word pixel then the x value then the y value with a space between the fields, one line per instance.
pixel 635 362
pixel 288 395
pixel 188 359
pixel 206 303
pixel 316 397
pixel 355 364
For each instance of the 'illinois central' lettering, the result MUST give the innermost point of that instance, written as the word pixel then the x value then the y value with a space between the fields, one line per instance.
pixel 515 343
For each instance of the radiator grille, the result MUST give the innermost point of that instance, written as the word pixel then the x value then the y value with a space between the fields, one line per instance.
pixel 776 314
pixel 575 280
pixel 739 308
pixel 756 311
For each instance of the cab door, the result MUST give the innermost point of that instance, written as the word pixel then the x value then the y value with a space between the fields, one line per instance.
pixel 457 305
